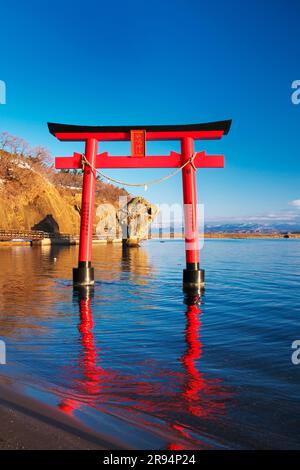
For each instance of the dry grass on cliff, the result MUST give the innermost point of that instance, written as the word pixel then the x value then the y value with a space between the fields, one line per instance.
pixel 31 189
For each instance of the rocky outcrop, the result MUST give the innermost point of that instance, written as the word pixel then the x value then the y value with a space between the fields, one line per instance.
pixel 31 201
pixel 130 222
pixel 134 223
pixel 35 197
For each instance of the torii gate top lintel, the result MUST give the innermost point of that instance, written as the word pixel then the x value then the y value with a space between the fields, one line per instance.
pixel 210 130
pixel 139 135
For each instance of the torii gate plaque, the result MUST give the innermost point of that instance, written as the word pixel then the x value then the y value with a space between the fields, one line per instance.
pixel 193 276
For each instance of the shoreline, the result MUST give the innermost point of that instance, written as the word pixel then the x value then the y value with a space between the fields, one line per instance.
pixel 28 424
pixel 164 236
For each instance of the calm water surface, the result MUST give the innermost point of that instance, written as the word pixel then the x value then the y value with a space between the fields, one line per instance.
pixel 138 364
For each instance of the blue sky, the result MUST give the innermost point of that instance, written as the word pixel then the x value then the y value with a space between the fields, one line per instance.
pixel 165 62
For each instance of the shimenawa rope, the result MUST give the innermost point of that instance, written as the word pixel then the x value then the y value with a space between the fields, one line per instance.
pixel 84 162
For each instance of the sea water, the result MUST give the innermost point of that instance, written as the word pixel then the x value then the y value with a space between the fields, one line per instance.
pixel 148 367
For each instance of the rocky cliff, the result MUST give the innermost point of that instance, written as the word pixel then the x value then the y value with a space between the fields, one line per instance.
pixel 35 196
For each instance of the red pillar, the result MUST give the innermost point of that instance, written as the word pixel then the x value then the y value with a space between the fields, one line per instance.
pixel 84 274
pixel 193 276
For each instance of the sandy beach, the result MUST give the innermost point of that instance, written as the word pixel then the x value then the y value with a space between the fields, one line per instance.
pixel 26 424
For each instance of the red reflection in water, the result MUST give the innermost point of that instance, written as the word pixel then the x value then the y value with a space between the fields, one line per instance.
pixel 195 380
pixel 92 373
pixel 193 352
pixel 197 395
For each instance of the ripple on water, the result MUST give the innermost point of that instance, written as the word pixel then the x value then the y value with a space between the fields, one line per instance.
pixel 137 361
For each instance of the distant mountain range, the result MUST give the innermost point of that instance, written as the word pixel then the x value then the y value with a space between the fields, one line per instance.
pixel 246 226
pixel 253 227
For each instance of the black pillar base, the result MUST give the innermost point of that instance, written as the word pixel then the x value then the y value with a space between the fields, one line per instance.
pixel 83 275
pixel 193 278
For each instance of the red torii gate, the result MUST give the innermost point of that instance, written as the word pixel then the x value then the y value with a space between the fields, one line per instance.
pixel 193 276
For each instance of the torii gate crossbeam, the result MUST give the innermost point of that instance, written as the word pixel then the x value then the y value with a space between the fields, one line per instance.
pixel 193 276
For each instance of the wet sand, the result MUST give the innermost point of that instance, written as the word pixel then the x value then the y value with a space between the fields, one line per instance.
pixel 28 424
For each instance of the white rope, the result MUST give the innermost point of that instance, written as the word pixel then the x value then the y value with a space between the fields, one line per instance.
pixel 84 162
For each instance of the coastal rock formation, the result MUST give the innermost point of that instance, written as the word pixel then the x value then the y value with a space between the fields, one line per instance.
pixel 130 222
pixel 35 197
pixel 29 198
pixel 107 222
pixel 135 222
